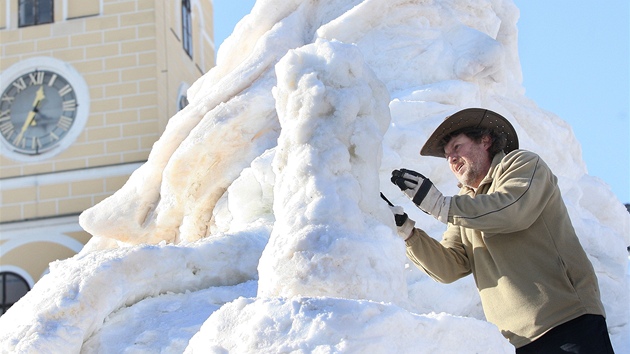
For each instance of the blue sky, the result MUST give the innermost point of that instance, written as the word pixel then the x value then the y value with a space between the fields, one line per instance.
pixel 576 63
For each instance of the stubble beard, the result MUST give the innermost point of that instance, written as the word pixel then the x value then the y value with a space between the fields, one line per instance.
pixel 474 174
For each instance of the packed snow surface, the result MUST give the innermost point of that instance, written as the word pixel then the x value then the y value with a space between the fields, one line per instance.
pixel 256 223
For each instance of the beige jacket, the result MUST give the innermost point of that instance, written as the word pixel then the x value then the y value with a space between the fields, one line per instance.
pixel 515 236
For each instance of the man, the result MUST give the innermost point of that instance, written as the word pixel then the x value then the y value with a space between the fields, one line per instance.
pixel 509 227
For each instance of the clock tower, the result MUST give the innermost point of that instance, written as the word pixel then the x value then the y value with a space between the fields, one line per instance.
pixel 86 88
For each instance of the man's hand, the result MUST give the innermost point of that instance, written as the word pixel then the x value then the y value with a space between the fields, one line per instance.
pixel 423 193
pixel 404 225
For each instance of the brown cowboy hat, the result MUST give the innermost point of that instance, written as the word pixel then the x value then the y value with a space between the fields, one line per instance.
pixel 470 118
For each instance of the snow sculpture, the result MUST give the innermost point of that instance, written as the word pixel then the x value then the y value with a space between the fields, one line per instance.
pixel 330 237
pixel 218 186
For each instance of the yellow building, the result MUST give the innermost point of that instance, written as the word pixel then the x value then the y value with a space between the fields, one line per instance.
pixel 87 87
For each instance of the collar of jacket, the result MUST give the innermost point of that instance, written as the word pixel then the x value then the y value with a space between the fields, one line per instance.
pixel 496 160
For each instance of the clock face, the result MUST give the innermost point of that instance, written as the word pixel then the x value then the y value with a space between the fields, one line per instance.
pixel 37 110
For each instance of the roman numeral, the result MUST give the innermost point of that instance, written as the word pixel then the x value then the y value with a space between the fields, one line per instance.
pixel 19 84
pixel 37 78
pixel 8 99
pixel 64 123
pixel 36 144
pixel 65 90
pixel 19 141
pixel 6 128
pixel 70 105
pixel 52 79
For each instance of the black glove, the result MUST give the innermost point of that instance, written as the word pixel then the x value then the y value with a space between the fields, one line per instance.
pixel 423 193
pixel 404 225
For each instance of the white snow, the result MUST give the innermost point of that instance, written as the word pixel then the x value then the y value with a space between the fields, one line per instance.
pixel 256 224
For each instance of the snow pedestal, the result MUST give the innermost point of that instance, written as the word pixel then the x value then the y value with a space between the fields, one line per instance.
pixel 334 325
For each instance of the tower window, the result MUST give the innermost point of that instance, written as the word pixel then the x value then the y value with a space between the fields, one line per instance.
pixel 35 12
pixel 187 28
pixel 182 102
pixel 12 288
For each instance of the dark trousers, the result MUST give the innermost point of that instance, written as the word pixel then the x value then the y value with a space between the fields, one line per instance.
pixel 584 335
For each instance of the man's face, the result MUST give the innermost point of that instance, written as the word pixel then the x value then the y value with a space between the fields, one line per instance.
pixel 469 161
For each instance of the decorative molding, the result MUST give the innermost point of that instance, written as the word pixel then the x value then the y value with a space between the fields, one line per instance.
pixel 19 271
pixel 69 176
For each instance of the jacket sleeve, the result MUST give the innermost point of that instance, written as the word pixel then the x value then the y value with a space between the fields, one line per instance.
pixel 444 261
pixel 523 186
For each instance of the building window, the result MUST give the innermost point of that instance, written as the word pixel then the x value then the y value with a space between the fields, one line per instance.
pixel 182 102
pixel 12 288
pixel 186 27
pixel 35 12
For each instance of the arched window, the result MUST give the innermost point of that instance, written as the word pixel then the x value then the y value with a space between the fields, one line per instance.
pixel 182 102
pixel 187 28
pixel 12 288
pixel 35 12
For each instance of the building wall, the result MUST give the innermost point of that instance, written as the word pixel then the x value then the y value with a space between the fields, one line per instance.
pixel 129 55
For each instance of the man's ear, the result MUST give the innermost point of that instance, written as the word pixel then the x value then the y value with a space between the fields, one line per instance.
pixel 486 141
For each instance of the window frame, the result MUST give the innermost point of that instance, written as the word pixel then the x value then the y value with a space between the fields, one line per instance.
pixel 36 12
pixel 187 27
pixel 4 304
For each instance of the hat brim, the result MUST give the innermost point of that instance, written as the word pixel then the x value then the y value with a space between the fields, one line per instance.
pixel 470 118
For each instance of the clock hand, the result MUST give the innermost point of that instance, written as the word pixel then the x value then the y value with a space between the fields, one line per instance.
pixel 42 117
pixel 29 118
pixel 39 96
